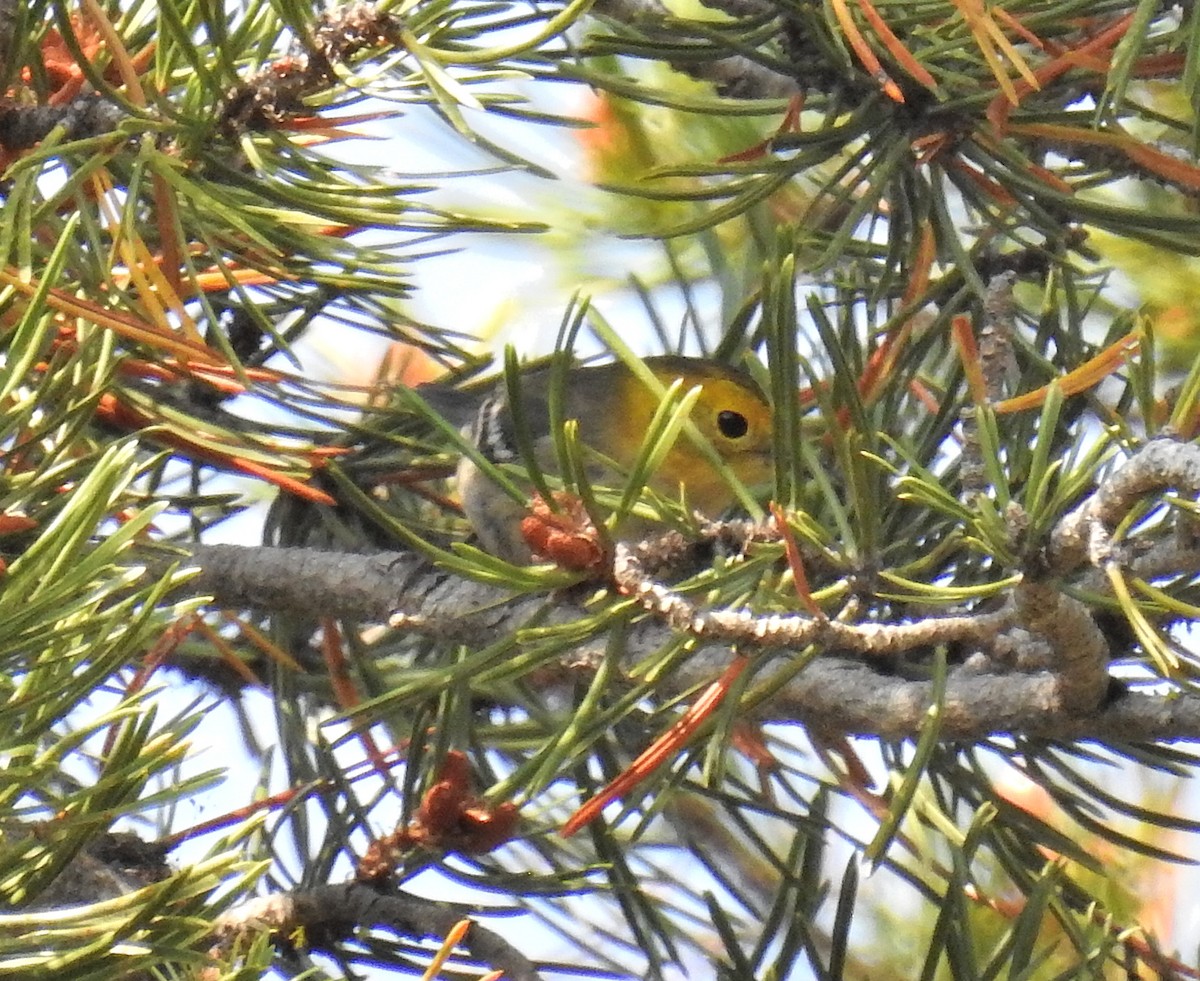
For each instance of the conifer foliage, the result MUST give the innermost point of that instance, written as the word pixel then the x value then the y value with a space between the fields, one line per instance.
pixel 923 708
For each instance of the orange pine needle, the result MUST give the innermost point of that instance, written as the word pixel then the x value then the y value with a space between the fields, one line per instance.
pixel 1010 21
pixel 229 657
pixel 1049 178
pixel 336 666
pixel 62 69
pixel 1090 373
pixel 130 328
pixel 853 771
pixel 171 261
pixel 921 267
pixel 322 122
pixel 231 818
pixel 124 66
pixel 338 669
pixel 747 738
pixel 795 563
pixel 290 484
pixel 125 416
pixel 968 353
pixel 1166 65
pixel 1000 108
pixel 216 281
pixel 930 146
pixel 997 192
pixel 260 641
pixel 1139 153
pixel 923 395
pixel 216 376
pixel 896 47
pixel 879 365
pixel 863 52
pixel 790 124
pixel 162 649
pixel 137 368
pixel 451 940
pixel 157 280
pixel 661 750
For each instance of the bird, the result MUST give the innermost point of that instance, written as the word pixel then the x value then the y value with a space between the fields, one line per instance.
pixel 613 407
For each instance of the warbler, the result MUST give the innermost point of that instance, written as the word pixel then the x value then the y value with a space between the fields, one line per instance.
pixel 614 409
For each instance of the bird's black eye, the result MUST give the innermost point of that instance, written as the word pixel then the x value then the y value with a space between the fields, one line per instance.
pixel 733 425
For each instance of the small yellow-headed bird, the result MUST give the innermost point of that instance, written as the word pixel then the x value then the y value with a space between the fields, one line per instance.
pixel 614 409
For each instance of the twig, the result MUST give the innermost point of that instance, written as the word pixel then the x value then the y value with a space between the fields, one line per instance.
pixel 1084 535
pixel 345 906
pixel 735 76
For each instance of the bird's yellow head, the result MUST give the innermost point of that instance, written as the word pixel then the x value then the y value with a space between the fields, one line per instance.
pixel 730 412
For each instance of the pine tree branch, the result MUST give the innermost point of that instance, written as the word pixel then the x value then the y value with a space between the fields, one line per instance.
pixel 1085 535
pixel 109 865
pixel 341 908
pixel 88 115
pixel 1040 667
pixel 833 694
pixel 735 76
